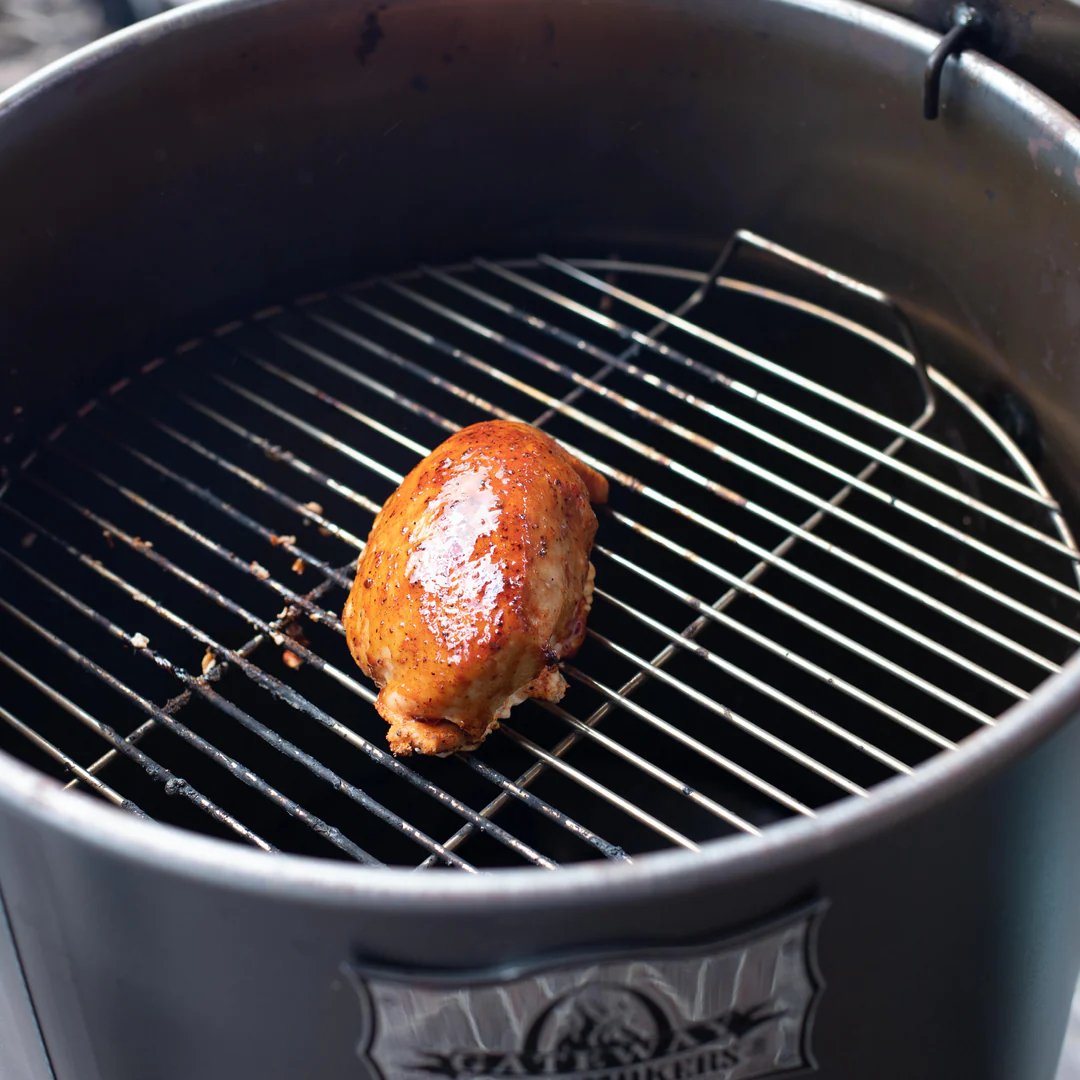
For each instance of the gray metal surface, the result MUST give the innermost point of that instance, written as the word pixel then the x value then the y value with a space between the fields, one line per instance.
pixel 22 1053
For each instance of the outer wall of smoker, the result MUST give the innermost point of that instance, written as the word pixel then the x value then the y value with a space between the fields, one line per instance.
pixel 257 150
pixel 949 949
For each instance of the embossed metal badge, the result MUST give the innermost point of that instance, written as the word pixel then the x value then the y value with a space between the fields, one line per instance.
pixel 734 1010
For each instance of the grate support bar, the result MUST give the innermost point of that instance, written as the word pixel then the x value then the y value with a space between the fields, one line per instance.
pixel 725 493
pixel 771 439
pixel 811 386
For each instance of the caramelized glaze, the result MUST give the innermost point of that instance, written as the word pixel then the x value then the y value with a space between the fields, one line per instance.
pixel 474 583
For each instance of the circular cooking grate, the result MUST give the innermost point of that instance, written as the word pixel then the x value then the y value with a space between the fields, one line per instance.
pixel 817 568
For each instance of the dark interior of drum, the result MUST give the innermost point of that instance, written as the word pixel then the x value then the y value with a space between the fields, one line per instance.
pixel 815 572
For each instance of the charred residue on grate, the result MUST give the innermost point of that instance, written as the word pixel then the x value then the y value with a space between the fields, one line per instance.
pixel 810 578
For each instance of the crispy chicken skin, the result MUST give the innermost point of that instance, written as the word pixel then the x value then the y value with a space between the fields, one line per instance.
pixel 474 583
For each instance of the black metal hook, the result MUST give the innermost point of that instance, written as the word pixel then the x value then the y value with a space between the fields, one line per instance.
pixel 868 293
pixel 966 21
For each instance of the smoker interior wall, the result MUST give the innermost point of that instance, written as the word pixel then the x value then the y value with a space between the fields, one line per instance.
pixel 245 153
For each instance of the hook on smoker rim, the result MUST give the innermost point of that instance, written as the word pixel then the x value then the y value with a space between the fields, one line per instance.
pixel 965 22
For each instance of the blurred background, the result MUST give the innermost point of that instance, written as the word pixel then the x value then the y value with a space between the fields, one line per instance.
pixel 36 32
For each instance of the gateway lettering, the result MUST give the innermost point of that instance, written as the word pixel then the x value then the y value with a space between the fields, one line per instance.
pixel 740 1009
pixel 704 1048
pixel 707 1063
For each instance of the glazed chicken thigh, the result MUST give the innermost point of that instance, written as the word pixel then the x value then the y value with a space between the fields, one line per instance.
pixel 475 582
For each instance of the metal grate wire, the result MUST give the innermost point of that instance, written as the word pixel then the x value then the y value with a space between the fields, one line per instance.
pixel 821 565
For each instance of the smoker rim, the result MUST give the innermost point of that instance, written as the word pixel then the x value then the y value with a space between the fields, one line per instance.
pixel 166 849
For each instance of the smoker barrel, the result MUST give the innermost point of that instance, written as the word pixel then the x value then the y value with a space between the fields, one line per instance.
pixel 835 588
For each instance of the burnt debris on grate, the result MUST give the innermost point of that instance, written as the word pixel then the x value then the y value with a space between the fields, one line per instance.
pixel 811 577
